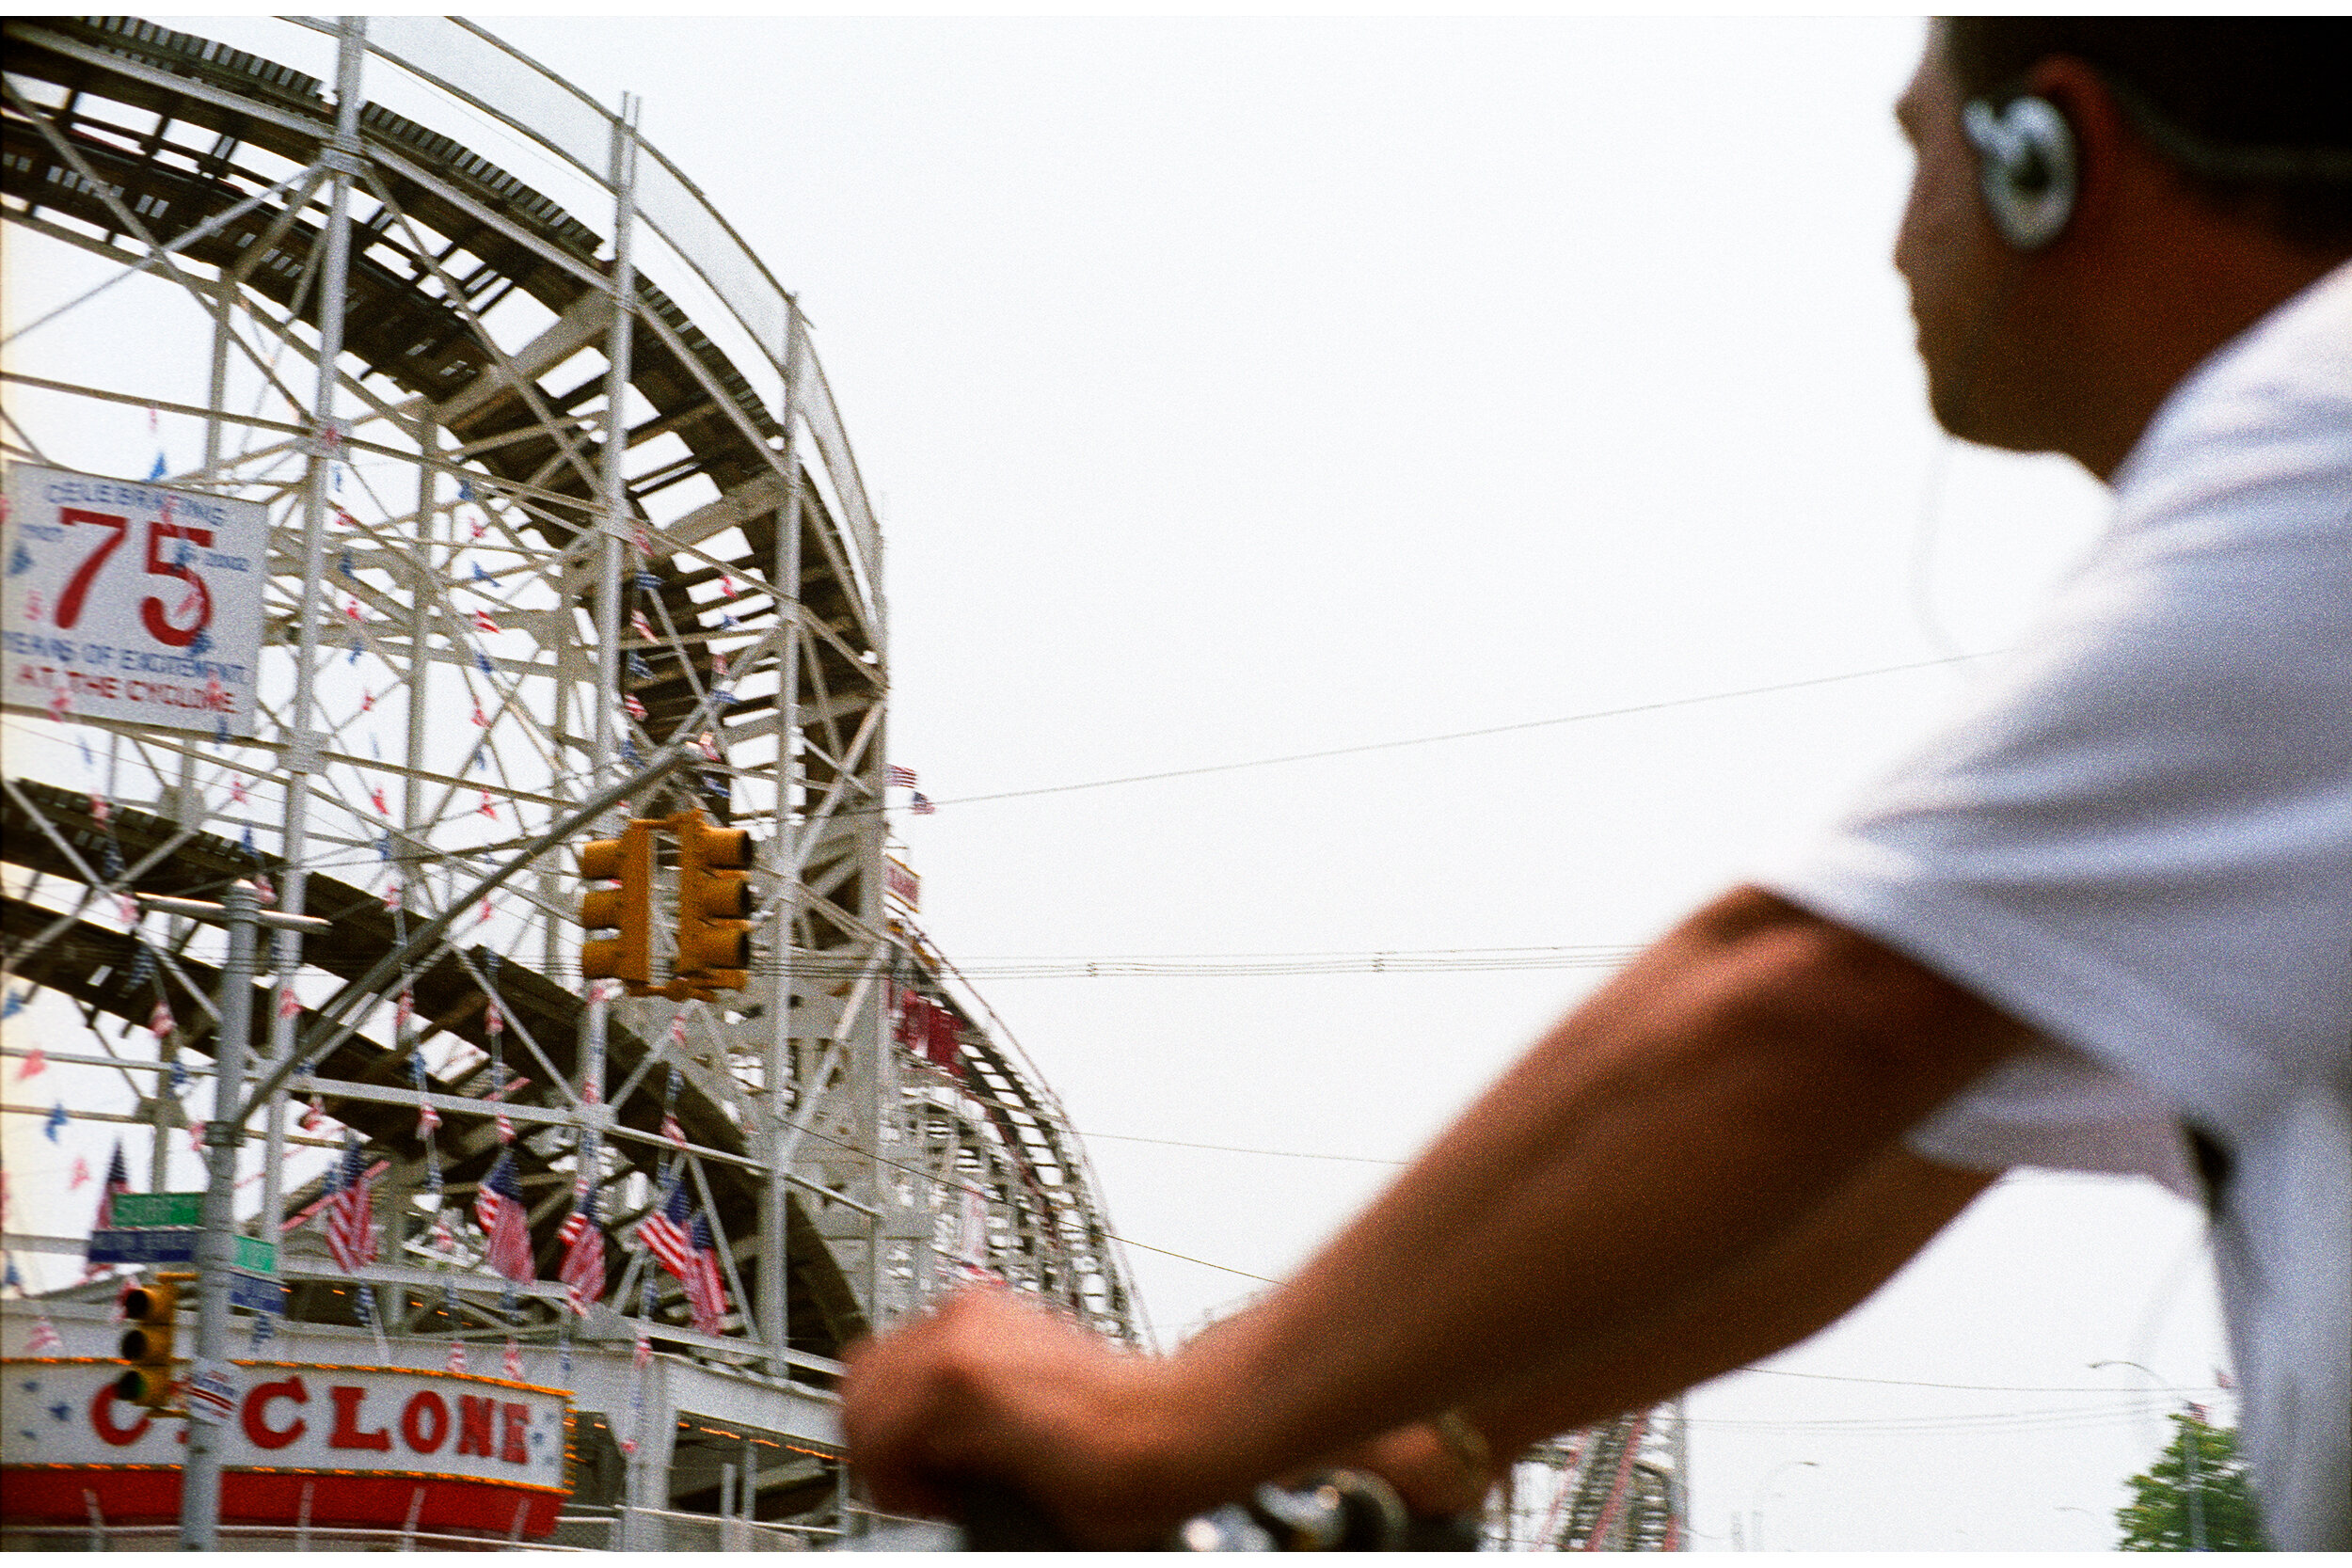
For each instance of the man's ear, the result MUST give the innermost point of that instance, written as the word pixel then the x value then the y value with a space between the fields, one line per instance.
pixel 2103 141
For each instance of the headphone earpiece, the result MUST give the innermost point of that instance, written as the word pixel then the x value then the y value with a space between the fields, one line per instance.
pixel 2025 166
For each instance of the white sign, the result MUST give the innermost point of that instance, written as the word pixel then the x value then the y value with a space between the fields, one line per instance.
pixel 287 1416
pixel 130 601
pixel 210 1393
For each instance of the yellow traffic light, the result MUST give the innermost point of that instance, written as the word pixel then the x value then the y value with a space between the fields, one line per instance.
pixel 148 1317
pixel 627 911
pixel 714 905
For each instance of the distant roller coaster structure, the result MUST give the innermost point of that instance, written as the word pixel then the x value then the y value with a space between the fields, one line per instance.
pixel 554 481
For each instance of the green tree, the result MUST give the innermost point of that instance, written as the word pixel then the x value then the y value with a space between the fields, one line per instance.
pixel 2166 1508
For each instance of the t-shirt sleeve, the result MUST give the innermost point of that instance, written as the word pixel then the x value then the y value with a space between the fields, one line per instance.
pixel 2139 840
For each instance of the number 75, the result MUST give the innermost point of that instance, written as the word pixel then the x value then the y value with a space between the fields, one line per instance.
pixel 197 603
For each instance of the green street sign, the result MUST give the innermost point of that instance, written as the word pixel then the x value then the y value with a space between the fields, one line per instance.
pixel 157 1210
pixel 255 1256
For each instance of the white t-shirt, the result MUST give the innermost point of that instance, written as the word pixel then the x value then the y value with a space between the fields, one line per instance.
pixel 2139 840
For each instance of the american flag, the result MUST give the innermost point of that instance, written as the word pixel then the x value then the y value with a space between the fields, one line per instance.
pixel 922 805
pixel 705 1292
pixel 499 1205
pixel 583 1254
pixel 351 1211
pixel 664 1235
pixel 117 1181
pixel 684 1248
pixel 901 777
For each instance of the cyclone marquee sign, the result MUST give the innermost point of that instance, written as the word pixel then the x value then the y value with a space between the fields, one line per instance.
pixel 128 601
pixel 376 1446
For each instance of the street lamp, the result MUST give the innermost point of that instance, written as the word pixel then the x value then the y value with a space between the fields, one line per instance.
pixel 2188 1451
pixel 1756 1504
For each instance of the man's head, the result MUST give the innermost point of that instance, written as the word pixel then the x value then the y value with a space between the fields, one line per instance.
pixel 2211 178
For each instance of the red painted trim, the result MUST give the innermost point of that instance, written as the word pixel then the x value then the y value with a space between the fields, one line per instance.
pixel 150 1494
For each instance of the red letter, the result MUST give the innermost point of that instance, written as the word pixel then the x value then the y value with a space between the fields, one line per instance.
pixel 348 1434
pixel 473 1424
pixel 257 1406
pixel 102 1416
pixel 517 1422
pixel 423 1404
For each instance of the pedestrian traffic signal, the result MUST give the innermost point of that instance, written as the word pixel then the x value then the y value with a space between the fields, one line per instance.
pixel 148 1318
pixel 625 910
pixel 714 905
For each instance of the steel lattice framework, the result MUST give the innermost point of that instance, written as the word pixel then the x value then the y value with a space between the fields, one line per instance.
pixel 548 504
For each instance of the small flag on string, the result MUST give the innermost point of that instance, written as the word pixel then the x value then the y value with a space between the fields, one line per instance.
pixel 264 1330
pixel 637 667
pixel 81 1173
pixel 159 1023
pixel 427 1118
pixel 264 889
pixel 465 489
pixel 367 701
pixel 236 791
pixel 118 1183
pixel 512 1362
pixel 44 1339
pixel 181 1076
pixel 922 805
pixel 505 1126
pixel 16 1000
pixel 483 622
pixel 158 470
pixel 480 527
pixel 647 582
pixel 391 897
pixel 289 1005
pixel 482 573
pixel 638 623
pixel 641 1354
pixel 630 706
pixel 457 1356
pixel 672 1130
pixel 314 1115
pixel 481 719
pixel 54 1122
pixel 488 808
pixel 718 662
pixel 100 812
pixel 36 1062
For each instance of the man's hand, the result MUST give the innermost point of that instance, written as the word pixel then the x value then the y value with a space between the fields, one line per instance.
pixel 991 1389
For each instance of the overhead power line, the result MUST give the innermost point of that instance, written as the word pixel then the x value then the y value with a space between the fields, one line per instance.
pixel 1458 735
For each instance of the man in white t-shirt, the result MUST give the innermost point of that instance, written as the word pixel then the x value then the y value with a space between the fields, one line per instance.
pixel 2106 922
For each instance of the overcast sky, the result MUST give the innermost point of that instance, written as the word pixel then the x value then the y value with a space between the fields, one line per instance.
pixel 1236 389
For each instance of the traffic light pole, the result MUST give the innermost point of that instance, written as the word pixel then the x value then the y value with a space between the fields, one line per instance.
pixel 241 910
pixel 199 1475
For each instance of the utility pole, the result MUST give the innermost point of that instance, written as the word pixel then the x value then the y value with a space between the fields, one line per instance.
pixel 216 1243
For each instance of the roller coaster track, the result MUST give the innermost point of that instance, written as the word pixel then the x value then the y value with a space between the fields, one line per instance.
pixel 845 1177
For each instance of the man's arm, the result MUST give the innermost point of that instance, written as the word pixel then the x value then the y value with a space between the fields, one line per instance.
pixel 1725 1087
pixel 1792 1289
